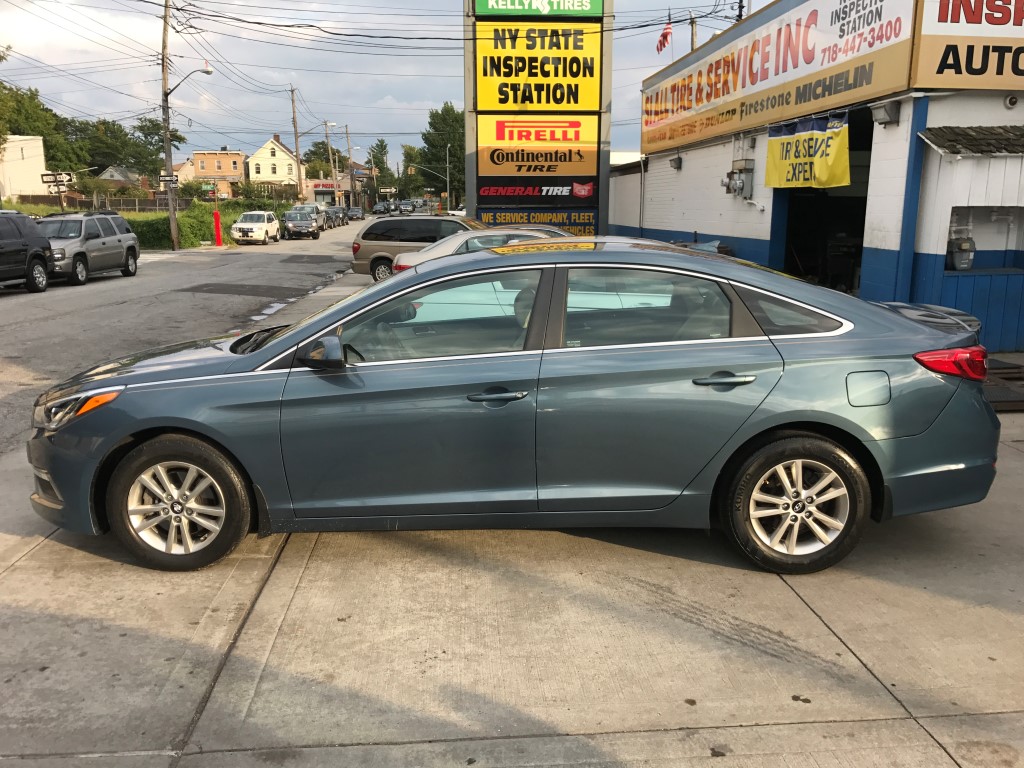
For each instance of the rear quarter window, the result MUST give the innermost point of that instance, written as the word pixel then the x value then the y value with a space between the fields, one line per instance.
pixel 121 225
pixel 779 317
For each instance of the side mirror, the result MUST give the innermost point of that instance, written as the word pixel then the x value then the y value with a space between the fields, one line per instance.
pixel 326 353
pixel 92 236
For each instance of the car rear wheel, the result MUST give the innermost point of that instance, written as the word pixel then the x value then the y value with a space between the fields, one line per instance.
pixel 131 265
pixel 381 270
pixel 178 504
pixel 798 504
pixel 79 271
pixel 38 280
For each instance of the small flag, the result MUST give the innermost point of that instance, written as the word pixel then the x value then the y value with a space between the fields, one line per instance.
pixel 666 36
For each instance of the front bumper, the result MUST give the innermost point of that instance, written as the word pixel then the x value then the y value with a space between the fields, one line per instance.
pixel 63 483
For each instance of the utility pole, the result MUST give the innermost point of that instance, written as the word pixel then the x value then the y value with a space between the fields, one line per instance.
pixel 298 158
pixel 351 178
pixel 739 11
pixel 334 167
pixel 693 32
pixel 165 107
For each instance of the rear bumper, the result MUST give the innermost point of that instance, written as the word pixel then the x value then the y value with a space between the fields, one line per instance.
pixel 950 464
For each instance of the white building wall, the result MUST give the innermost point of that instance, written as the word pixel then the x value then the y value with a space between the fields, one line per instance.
pixel 624 203
pixel 975 108
pixel 21 165
pixel 692 199
pixel 890 151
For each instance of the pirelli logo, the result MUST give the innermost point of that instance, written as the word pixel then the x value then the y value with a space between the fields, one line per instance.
pixel 549 146
pixel 538 131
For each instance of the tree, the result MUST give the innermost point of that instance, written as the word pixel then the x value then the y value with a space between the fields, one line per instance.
pixel 317 152
pixel 191 189
pixel 412 182
pixel 383 176
pixel 148 149
pixel 316 169
pixel 446 126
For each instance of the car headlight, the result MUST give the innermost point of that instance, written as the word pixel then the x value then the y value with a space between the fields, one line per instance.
pixel 54 414
pixel 58 254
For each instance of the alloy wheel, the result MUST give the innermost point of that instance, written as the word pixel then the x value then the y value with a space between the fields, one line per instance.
pixel 799 507
pixel 176 507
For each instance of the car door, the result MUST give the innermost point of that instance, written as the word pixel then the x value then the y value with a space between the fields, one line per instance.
pixel 646 375
pixel 13 248
pixel 435 414
pixel 273 229
pixel 110 240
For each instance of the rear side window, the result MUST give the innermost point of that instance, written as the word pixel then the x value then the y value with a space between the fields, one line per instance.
pixel 779 317
pixel 385 232
pixel 106 227
pixel 7 229
pixel 121 225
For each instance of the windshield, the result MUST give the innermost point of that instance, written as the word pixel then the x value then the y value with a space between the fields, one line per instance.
pixel 56 230
pixel 251 218
pixel 304 208
pixel 296 216
pixel 474 224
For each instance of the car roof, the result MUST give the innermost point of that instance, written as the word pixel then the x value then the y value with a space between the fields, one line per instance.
pixel 245 212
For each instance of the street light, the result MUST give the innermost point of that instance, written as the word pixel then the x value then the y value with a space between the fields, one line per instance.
pixel 447 178
pixel 330 158
pixel 168 160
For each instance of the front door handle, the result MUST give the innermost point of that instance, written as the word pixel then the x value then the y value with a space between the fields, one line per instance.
pixel 491 397
pixel 727 381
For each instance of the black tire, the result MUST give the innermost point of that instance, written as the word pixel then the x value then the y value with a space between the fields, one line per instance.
pixel 229 486
pixel 284 235
pixel 277 237
pixel 131 265
pixel 316 235
pixel 79 271
pixel 849 504
pixel 37 281
pixel 266 238
pixel 380 269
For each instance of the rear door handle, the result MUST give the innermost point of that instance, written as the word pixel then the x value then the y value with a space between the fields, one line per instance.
pixel 490 397
pixel 728 381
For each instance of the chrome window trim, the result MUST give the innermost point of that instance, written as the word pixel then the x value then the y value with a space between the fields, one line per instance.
pixel 645 344
pixel 845 325
pixel 211 377
pixel 481 356
pixel 410 289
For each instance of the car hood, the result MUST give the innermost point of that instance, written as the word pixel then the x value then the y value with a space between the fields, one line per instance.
pixel 61 242
pixel 204 357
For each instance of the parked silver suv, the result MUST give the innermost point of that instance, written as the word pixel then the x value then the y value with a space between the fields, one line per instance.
pixel 86 244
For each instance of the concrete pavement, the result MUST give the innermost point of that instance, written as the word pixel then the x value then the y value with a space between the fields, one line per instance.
pixel 621 648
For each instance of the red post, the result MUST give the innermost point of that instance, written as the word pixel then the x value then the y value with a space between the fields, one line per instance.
pixel 217 239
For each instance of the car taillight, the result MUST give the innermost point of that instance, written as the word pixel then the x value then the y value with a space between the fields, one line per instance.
pixel 966 362
pixel 399 267
pixel 355 248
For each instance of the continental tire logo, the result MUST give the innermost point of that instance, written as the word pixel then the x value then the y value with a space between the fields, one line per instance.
pixel 519 156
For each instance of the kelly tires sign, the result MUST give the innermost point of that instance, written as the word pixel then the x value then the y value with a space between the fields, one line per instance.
pixel 576 8
pixel 804 57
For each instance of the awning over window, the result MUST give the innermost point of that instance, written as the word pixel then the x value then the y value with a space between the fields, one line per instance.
pixel 978 141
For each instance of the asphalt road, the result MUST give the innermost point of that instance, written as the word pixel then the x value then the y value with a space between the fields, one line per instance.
pixel 487 648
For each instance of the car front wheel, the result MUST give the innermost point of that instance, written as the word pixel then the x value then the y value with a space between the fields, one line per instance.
pixel 38 280
pixel 798 504
pixel 177 503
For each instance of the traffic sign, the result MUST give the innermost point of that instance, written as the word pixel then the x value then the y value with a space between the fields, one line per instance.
pixel 65 178
pixel 48 178
pixel 168 178
pixel 387 190
pixel 208 187
pixel 56 189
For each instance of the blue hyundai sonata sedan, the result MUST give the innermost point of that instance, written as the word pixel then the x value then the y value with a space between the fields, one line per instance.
pixel 572 383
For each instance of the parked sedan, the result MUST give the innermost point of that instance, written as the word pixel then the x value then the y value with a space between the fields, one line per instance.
pixel 468 241
pixel 355 213
pixel 256 227
pixel 299 224
pixel 547 384
pixel 337 216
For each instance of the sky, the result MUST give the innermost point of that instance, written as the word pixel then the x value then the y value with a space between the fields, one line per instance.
pixel 377 68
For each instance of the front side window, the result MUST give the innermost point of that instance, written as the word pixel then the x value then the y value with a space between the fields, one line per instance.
pixel 611 307
pixel 91 228
pixel 482 314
